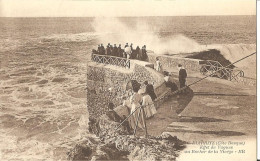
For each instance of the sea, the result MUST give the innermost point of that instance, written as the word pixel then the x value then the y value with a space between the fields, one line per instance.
pixel 43 64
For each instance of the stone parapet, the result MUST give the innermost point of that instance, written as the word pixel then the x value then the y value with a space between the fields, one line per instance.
pixel 173 61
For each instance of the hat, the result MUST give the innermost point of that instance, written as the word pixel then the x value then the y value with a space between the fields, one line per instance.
pixel 141 91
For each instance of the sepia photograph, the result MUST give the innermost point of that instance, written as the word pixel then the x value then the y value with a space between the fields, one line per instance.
pixel 128 80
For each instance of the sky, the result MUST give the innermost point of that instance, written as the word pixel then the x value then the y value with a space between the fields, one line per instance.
pixel 117 8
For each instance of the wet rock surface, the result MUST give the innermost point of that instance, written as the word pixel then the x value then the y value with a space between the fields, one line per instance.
pixel 113 144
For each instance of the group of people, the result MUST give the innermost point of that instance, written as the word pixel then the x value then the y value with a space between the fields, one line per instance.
pixel 182 75
pixel 127 52
pixel 144 95
pixel 182 79
pixel 140 96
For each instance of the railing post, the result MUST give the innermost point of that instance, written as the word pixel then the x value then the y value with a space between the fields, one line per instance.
pixel 230 75
pixel 111 60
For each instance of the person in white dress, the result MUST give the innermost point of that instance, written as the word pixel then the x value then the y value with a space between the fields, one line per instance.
pixel 128 52
pixel 135 101
pixel 148 104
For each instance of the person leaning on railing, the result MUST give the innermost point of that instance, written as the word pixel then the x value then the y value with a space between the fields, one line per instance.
pixel 99 49
pixel 94 51
pixel 108 50
pixel 128 52
pixel 114 50
pixel 120 51
pixel 138 53
pixel 102 50
pixel 144 53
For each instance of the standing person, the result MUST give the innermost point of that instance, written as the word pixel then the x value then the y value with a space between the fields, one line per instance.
pixel 99 49
pixel 111 49
pixel 138 53
pixel 133 55
pixel 147 103
pixel 102 49
pixel 158 65
pixel 135 101
pixel 108 50
pixel 114 51
pixel 128 52
pixel 131 46
pixel 150 90
pixel 144 53
pixel 119 51
pixel 182 75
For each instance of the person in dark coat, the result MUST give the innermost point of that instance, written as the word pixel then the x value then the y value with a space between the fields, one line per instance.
pixel 138 53
pixel 182 76
pixel 169 83
pixel 111 50
pixel 131 46
pixel 119 51
pixel 126 45
pixel 144 53
pixel 150 90
pixel 99 49
pixel 108 50
pixel 112 115
pixel 114 51
pixel 132 52
pixel 102 49
pixel 94 51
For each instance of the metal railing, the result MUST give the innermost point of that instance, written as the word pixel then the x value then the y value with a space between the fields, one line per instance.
pixel 215 69
pixel 111 60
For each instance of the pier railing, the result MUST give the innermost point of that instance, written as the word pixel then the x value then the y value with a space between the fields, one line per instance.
pixel 215 69
pixel 111 60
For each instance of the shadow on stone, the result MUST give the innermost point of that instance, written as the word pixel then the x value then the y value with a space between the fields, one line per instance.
pixel 183 99
pixel 199 119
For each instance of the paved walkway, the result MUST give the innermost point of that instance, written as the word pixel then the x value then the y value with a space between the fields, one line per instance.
pixel 215 109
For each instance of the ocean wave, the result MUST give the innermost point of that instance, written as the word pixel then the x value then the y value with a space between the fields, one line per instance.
pixel 81 37
pixel 229 53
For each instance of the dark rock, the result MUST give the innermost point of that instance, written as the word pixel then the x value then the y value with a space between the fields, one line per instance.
pixel 116 145
pixel 113 153
pixel 81 152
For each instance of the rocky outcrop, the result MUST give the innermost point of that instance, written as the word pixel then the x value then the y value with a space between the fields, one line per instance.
pixel 113 144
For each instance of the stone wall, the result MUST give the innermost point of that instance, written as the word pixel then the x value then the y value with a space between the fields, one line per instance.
pixel 172 62
pixel 106 84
